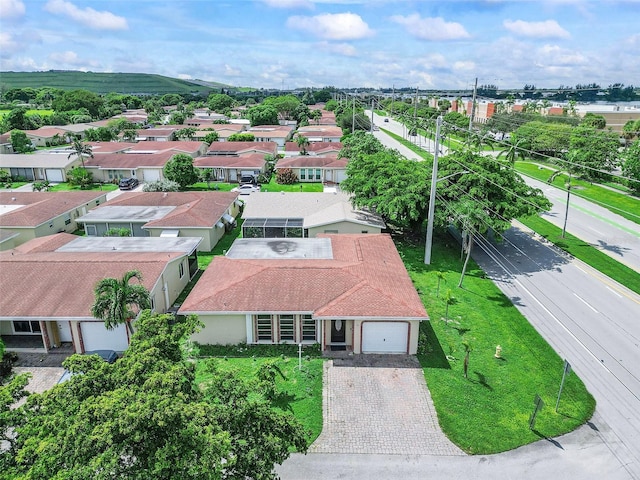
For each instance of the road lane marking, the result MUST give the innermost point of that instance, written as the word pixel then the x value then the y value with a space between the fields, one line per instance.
pixel 585 302
pixel 598 361
pixel 613 291
pixel 603 279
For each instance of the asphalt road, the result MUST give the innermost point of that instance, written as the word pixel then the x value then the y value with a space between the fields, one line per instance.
pixel 611 233
pixel 591 321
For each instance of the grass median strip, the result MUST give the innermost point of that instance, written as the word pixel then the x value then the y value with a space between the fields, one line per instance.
pixel 487 412
pixel 619 203
pixel 586 252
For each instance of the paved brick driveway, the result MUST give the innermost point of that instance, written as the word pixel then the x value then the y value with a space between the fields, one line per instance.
pixel 379 404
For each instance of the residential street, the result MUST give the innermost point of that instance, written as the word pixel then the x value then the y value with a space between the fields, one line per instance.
pixel 590 320
pixel 612 234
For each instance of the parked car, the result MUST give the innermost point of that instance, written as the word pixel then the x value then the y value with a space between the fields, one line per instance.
pixel 246 189
pixel 248 179
pixel 386 120
pixel 128 183
pixel 107 355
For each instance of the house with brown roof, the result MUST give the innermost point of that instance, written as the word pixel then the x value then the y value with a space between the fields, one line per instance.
pixel 314 148
pixel 344 292
pixel 38 214
pixel 240 148
pixel 146 167
pixel 230 168
pixel 316 168
pixel 280 134
pixel 321 133
pixel 224 130
pixel 206 215
pixel 48 287
pixel 48 136
pixel 308 214
pixel 165 134
pixel 50 166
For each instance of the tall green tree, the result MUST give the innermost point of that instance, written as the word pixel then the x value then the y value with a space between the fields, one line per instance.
pixel 303 143
pixel 145 416
pixel 180 169
pixel 631 166
pixel 116 297
pixel 479 194
pixel 262 115
pixel 241 137
pixel 20 142
pixel 593 152
pixel 80 150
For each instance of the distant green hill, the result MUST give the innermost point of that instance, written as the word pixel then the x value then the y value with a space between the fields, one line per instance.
pixel 131 83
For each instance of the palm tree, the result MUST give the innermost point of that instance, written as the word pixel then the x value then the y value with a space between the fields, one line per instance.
pixel 512 151
pixel 80 149
pixel 114 298
pixel 303 143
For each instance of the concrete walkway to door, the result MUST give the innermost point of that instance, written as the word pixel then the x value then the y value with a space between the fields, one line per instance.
pixel 379 404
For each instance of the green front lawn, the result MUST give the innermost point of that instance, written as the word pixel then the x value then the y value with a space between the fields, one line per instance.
pixel 488 412
pixel 620 203
pixel 67 187
pixel 273 186
pixel 300 391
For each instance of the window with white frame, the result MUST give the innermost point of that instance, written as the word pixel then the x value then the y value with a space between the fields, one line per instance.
pixel 287 331
pixel 318 174
pixel 264 328
pixel 26 327
pixel 309 333
pixel 303 173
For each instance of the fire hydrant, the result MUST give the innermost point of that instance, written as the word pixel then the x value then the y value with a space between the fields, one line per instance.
pixel 498 352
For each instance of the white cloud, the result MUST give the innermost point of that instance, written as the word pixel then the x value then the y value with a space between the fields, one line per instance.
pixel 546 29
pixel 229 71
pixel 436 60
pixel 68 57
pixel 88 16
pixel 289 3
pixel 465 65
pixel 8 44
pixel 339 48
pixel 11 8
pixel 431 28
pixel 556 56
pixel 332 26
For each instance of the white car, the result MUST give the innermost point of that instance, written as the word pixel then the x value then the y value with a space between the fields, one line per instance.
pixel 246 189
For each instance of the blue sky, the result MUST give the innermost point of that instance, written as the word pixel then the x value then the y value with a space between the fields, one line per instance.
pixel 344 43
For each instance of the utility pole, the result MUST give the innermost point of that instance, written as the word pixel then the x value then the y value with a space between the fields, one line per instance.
pixel 473 104
pixel 353 117
pixel 393 97
pixel 372 114
pixel 432 196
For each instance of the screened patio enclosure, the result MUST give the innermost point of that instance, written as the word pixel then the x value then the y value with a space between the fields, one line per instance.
pixel 273 228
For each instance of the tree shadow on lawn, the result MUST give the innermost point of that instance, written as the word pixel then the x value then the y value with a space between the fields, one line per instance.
pixel 430 353
pixel 482 380
pixel 283 401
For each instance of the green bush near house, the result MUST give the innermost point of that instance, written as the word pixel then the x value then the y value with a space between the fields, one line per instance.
pixel 488 412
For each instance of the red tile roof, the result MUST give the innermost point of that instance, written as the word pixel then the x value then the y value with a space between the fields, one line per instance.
pixel 247 160
pixel 366 278
pixel 236 148
pixel 314 147
pixel 194 209
pixel 117 161
pixel 312 161
pixel 41 207
pixel 42 283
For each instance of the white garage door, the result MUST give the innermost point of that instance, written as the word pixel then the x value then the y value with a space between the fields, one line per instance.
pixel 96 337
pixel 54 175
pixel 340 175
pixel 150 174
pixel 385 337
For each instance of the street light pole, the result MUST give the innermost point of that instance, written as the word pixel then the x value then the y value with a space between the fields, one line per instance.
pixel 432 196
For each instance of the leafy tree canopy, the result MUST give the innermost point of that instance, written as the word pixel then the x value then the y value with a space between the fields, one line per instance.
pixel 594 121
pixel 544 138
pixel 592 151
pixel 220 102
pixel 482 193
pixel 144 416
pixel 631 166
pixel 241 137
pixel 180 169
pixel 285 105
pixel 20 142
pixel 77 99
pixel 263 115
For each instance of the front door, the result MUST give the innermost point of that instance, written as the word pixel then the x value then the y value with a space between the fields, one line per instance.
pixel 338 328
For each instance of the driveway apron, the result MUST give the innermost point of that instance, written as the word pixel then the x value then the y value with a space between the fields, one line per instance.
pixel 379 404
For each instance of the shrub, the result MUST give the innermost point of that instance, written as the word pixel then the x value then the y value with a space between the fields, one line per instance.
pixel 161 186
pixel 286 176
pixel 118 232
